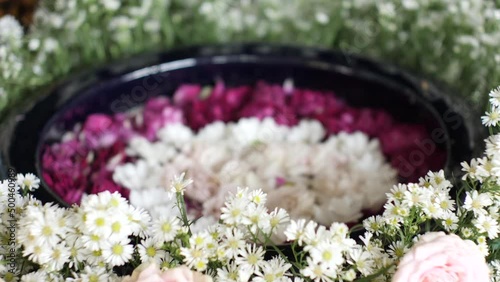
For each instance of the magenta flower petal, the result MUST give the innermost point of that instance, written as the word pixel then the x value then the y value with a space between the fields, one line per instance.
pixel 187 94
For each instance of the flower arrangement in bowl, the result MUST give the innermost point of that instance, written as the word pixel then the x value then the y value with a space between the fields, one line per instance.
pixel 423 234
pixel 236 115
pixel 317 132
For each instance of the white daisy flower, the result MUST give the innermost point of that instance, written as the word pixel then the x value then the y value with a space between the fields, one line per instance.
pixel 231 273
pixel 273 270
pixel 492 117
pixel 179 184
pixel 361 260
pixel 397 249
pixel 165 228
pixel 450 222
pixel 119 225
pixel 438 180
pixel 139 220
pixel 470 169
pixel 397 193
pixel 484 249
pixel 314 233
pixel 484 169
pixel 93 241
pixel 295 231
pixel 257 218
pixel 59 255
pixel 495 97
pixel 95 273
pixel 350 275
pixel 374 224
pixel 113 200
pixel 77 251
pixel 278 217
pixel 37 253
pixel 495 269
pixel 445 202
pixel 476 202
pixel 257 197
pixel 396 212
pixel 38 224
pixel 340 230
pixel 195 258
pixel 233 242
pixel 28 181
pixel 486 224
pixel 318 272
pixel 37 276
pixel 416 195
pixel 118 253
pixel 150 251
pixel 95 258
pixel 492 145
pixel 433 210
pixel 466 232
pixel 327 253
pixel 234 210
pixel 200 240
pixel 98 222
pixel 251 257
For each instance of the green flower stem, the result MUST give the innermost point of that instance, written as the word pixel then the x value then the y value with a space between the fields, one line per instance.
pixel 181 204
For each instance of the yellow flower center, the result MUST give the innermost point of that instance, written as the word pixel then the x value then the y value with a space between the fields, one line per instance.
pixel 117 249
pixel 47 231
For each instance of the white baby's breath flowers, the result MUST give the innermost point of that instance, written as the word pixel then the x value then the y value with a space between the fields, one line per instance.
pixel 11 32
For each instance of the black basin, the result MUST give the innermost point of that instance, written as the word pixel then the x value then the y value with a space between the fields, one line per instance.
pixel 125 84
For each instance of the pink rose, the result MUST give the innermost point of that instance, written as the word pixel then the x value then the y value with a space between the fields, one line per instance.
pixel 151 273
pixel 440 257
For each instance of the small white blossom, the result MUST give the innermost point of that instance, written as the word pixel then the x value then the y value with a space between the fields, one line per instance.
pixel 449 222
pixel 150 251
pixel 28 181
pixel 10 30
pixel 165 228
pixel 251 258
pixel 476 202
pixel 195 257
pixel 492 117
pixel 486 224
pixel 495 97
pixel 118 253
pixel 470 169
pixel 179 184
